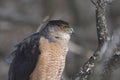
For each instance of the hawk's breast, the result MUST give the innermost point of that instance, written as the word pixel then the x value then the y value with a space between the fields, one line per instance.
pixel 51 62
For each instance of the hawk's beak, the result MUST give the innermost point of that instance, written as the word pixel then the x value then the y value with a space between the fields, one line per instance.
pixel 69 30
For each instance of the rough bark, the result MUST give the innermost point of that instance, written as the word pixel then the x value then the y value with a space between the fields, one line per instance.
pixel 107 56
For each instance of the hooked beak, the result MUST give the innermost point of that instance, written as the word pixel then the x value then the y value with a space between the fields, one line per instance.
pixel 69 30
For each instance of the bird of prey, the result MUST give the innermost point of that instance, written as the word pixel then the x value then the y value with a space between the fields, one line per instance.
pixel 41 56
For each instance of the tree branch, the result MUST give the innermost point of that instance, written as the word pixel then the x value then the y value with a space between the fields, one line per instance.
pixel 102 30
pixel 104 57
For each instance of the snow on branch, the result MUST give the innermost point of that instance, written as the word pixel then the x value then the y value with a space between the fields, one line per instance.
pixel 107 56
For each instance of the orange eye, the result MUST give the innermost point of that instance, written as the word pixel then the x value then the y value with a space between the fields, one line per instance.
pixel 62 27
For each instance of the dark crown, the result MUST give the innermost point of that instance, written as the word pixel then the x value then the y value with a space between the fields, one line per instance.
pixel 58 22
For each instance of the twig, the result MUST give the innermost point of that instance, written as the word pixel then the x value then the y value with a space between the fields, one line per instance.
pixel 42 25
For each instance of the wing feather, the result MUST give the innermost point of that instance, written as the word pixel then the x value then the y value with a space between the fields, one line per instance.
pixel 25 58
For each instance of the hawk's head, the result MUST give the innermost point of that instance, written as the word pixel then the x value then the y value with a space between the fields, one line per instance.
pixel 58 30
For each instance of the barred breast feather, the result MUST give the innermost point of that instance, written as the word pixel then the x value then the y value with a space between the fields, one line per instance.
pixel 51 62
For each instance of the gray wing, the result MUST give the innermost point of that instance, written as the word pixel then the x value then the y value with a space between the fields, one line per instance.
pixel 25 58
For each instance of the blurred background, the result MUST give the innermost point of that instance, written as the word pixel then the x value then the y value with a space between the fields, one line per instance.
pixel 21 18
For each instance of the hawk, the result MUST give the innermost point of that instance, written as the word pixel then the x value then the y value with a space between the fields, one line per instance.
pixel 41 56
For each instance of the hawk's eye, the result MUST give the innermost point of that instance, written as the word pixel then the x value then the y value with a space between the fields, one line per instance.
pixel 62 27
